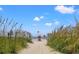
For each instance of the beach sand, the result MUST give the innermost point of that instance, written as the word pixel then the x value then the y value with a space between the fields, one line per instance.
pixel 38 47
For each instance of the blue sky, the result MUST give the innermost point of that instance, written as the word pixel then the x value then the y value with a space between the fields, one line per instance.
pixel 44 18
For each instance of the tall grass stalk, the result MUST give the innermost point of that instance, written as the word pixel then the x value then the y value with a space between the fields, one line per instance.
pixel 9 41
pixel 65 39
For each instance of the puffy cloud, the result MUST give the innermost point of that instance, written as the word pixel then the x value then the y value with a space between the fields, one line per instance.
pixel 38 18
pixel 65 10
pixel 41 17
pixel 48 24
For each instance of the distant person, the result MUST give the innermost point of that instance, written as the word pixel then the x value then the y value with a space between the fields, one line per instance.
pixel 39 38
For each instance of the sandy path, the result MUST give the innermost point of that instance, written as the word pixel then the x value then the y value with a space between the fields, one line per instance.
pixel 38 47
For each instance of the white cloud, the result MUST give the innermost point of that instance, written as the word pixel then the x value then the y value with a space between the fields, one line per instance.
pixel 1 9
pixel 65 10
pixel 55 23
pixel 48 24
pixel 41 17
pixel 38 18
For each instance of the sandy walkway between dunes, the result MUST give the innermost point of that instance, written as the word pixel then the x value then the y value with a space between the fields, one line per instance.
pixel 38 47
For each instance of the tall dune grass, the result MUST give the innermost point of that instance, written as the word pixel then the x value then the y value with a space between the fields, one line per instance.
pixel 65 39
pixel 10 42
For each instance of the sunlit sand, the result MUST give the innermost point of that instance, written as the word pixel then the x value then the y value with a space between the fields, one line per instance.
pixel 38 47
